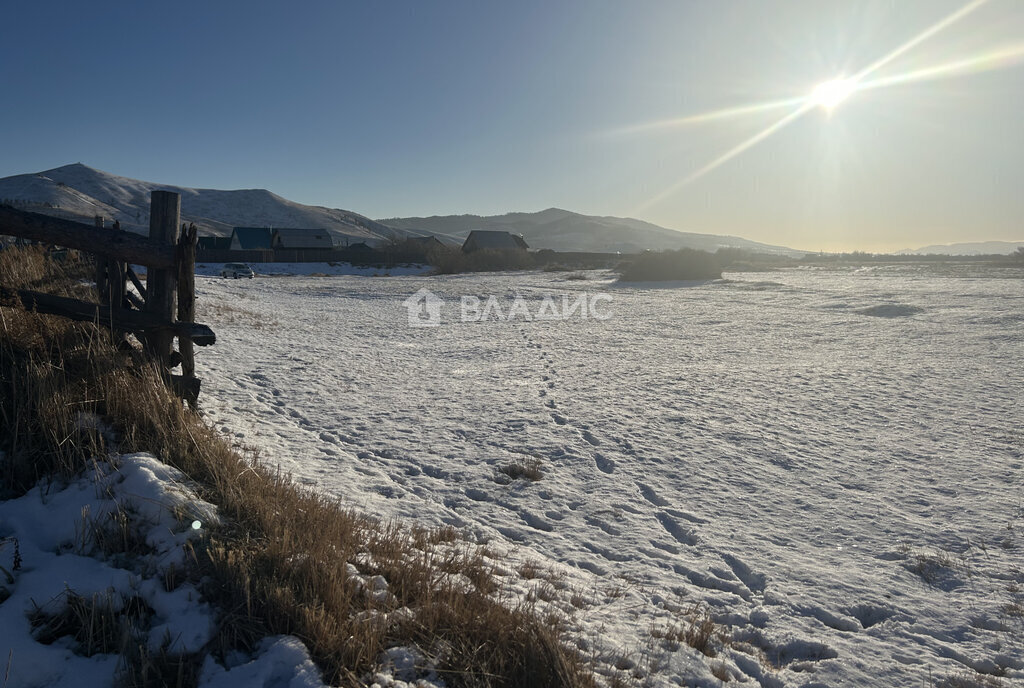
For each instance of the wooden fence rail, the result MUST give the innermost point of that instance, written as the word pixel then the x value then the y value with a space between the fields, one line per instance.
pixel 113 243
pixel 163 309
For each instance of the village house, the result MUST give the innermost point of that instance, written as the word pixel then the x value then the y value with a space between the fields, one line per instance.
pixel 302 239
pixel 214 243
pixel 251 239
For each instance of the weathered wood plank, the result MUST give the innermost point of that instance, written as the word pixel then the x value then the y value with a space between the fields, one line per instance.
pixel 114 318
pixel 101 264
pixel 137 282
pixel 187 295
pixel 135 300
pixel 111 243
pixel 161 283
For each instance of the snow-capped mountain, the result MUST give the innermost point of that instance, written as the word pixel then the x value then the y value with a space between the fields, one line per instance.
pixel 80 192
pixel 563 230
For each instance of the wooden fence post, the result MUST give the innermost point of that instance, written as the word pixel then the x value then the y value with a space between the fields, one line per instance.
pixel 187 296
pixel 171 278
pixel 101 265
pixel 164 218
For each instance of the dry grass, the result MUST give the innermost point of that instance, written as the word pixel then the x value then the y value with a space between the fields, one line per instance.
pixel 721 671
pixel 527 467
pixel 1014 609
pixel 934 566
pixel 968 679
pixel 280 566
pixel 931 566
pixel 696 629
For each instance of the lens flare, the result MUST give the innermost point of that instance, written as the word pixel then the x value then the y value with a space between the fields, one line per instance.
pixel 1002 58
pixel 729 155
pixel 715 115
pixel 831 93
pixel 920 38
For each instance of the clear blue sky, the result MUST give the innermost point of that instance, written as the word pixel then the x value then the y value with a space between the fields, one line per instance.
pixel 422 108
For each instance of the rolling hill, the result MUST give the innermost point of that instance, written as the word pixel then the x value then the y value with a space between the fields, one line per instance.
pixel 972 248
pixel 79 192
pixel 563 230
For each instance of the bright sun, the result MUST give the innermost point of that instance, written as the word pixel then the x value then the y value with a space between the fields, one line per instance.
pixel 830 93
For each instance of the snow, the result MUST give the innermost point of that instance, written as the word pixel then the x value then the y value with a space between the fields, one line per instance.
pixel 280 662
pixel 51 527
pixel 828 462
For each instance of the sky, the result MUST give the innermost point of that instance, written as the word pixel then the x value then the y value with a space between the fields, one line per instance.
pixel 394 109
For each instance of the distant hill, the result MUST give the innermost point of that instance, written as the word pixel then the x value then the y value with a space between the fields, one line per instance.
pixel 972 248
pixel 80 193
pixel 563 230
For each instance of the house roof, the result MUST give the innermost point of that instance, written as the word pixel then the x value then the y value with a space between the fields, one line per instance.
pixel 424 240
pixel 495 240
pixel 359 246
pixel 214 243
pixel 250 238
pixel 303 238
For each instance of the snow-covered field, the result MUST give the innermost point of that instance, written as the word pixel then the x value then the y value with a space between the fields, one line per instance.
pixel 831 461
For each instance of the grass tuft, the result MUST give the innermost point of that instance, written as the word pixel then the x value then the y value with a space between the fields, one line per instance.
pixel 697 629
pixel 527 468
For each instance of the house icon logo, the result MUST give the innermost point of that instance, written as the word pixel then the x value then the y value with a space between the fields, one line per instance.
pixel 424 309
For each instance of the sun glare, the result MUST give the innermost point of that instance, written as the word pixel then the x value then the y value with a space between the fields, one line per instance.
pixel 831 93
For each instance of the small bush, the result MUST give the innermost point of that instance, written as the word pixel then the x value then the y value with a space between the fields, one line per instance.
pixel 528 468
pixel 667 266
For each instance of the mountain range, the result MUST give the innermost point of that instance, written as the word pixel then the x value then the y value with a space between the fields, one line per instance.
pixel 562 230
pixel 970 248
pixel 80 192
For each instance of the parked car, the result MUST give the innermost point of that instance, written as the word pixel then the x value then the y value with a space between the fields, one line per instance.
pixel 236 270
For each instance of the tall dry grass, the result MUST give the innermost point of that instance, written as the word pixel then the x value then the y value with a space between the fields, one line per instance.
pixel 283 562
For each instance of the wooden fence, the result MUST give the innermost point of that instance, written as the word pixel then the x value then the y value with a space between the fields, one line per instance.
pixel 162 310
pixel 289 255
